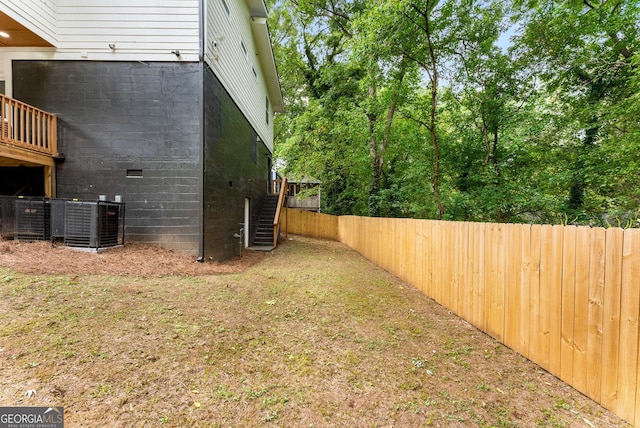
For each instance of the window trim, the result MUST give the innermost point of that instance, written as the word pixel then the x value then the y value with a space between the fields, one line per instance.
pixel 225 5
pixel 243 46
pixel 267 109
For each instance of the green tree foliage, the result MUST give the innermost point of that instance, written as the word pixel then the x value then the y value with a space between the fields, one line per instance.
pixel 584 53
pixel 322 135
pixel 511 111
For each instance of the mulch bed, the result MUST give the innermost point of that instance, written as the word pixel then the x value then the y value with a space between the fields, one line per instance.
pixel 132 259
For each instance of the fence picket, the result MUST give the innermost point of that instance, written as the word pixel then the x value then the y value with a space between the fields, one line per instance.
pixel 489 281
pixel 513 259
pixel 481 308
pixel 524 306
pixel 438 271
pixel 584 239
pixel 567 309
pixel 629 317
pixel 448 256
pixel 394 262
pixel 498 276
pixel 420 279
pixel 611 317
pixel 401 250
pixel 456 267
pixel 536 347
pixel 546 278
pixel 476 240
pixel 465 272
pixel 427 229
pixel 594 328
pixel 555 299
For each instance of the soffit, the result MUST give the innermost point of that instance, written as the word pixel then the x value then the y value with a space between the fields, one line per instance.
pixel 19 35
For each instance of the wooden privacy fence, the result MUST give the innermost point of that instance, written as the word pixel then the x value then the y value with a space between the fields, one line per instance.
pixel 566 297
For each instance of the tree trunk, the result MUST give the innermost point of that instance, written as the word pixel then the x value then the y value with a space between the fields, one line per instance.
pixel 433 72
pixel 377 148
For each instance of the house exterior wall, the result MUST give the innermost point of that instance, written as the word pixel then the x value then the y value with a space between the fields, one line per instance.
pixel 150 30
pixel 85 28
pixel 135 27
pixel 225 35
pixel 184 139
pixel 235 168
pixel 37 15
pixel 116 118
pixel 140 30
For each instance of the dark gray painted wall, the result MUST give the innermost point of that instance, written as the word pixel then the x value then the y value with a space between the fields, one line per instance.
pixel 119 116
pixel 235 168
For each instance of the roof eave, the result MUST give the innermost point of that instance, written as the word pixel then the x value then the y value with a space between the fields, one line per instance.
pixel 257 9
pixel 265 53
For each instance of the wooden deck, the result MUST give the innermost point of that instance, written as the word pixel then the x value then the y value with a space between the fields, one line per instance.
pixel 28 136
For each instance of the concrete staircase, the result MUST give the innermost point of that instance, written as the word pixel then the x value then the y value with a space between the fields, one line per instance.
pixel 264 233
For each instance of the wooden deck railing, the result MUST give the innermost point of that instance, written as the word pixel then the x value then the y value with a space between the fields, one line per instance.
pixel 275 187
pixel 27 127
pixel 276 219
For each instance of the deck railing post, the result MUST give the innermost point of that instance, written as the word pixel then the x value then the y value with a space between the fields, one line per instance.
pixel 276 219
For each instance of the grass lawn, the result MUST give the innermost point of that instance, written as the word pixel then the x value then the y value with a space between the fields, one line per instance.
pixel 313 335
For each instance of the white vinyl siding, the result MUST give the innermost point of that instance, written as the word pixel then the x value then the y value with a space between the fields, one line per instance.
pixel 133 26
pixel 38 16
pixel 225 36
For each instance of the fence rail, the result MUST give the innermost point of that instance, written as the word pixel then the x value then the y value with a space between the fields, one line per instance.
pixel 566 297
pixel 27 127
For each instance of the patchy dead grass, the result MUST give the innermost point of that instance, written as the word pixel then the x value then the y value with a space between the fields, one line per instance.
pixel 311 335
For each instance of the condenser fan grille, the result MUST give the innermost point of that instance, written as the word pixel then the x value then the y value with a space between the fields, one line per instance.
pixel 32 219
pixel 93 224
pixel 80 224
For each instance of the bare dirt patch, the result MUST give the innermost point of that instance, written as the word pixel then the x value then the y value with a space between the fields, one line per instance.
pixel 311 335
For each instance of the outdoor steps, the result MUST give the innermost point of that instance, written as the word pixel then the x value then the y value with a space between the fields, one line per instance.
pixel 264 232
